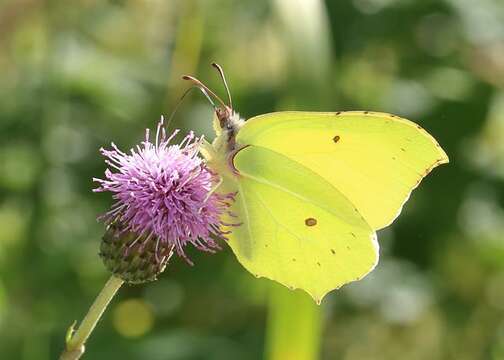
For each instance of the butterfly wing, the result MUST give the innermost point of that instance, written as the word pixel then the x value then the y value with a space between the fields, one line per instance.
pixel 297 228
pixel 374 159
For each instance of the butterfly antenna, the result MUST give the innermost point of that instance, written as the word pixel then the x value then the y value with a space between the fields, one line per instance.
pixel 223 77
pixel 204 89
pixel 177 105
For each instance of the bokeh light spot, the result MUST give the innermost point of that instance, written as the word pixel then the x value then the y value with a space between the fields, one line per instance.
pixel 133 318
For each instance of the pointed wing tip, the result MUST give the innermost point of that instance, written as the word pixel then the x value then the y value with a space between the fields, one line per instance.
pixel 444 158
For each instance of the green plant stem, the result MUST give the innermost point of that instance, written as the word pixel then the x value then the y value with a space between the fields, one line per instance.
pixel 294 325
pixel 75 341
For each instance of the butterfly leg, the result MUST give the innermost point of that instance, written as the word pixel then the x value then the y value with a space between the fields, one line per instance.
pixel 206 150
pixel 212 190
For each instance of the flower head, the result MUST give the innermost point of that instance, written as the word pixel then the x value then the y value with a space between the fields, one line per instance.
pixel 164 194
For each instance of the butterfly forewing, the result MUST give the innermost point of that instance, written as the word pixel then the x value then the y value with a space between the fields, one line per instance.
pixel 375 160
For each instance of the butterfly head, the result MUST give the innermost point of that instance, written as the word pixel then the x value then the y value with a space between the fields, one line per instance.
pixel 228 120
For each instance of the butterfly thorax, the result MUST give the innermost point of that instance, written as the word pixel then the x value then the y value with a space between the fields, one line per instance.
pixel 229 125
pixel 219 154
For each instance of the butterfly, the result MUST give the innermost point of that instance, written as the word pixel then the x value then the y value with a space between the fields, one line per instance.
pixel 312 188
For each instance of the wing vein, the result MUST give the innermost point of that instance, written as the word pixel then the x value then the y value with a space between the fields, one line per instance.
pixel 245 210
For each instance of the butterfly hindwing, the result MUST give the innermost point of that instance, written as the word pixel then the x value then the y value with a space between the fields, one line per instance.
pixel 297 228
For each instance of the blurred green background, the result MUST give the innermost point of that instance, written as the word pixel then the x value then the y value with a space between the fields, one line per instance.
pixel 76 75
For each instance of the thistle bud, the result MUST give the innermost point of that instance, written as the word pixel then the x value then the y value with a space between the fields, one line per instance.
pixel 132 257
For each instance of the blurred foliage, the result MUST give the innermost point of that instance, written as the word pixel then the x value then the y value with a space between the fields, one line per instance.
pixel 77 75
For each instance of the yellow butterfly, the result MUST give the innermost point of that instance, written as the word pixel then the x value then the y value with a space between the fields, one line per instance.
pixel 314 187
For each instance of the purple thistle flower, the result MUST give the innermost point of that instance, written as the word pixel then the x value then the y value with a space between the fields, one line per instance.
pixel 163 193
